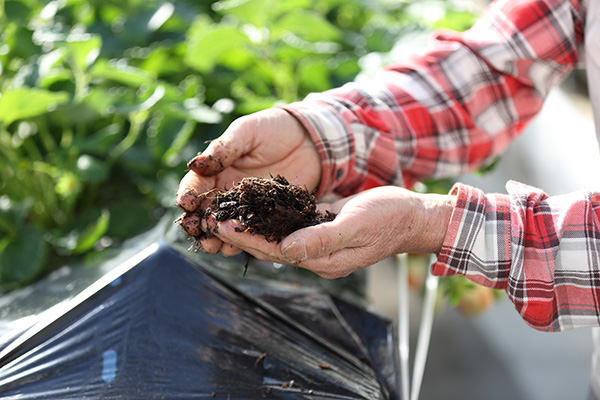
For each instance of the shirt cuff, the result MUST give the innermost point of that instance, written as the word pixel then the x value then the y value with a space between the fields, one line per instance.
pixel 477 243
pixel 330 136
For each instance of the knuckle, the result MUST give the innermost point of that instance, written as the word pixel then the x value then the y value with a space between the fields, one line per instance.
pixel 324 243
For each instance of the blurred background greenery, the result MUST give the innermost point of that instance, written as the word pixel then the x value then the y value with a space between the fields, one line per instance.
pixel 103 101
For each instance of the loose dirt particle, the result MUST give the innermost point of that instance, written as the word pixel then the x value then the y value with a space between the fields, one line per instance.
pixel 259 359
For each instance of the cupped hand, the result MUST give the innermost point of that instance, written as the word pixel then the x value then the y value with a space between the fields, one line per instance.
pixel 265 143
pixel 369 227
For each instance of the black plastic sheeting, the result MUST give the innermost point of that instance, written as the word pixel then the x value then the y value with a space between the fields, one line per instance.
pixel 163 326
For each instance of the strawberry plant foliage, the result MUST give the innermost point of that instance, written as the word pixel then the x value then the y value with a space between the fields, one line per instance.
pixel 102 103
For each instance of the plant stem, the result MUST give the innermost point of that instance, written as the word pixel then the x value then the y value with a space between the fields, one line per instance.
pixel 137 121
pixel 46 136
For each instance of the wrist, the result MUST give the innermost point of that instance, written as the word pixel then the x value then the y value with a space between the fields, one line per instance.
pixel 436 212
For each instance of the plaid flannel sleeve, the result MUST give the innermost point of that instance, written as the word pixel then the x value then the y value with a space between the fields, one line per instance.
pixel 451 109
pixel 544 251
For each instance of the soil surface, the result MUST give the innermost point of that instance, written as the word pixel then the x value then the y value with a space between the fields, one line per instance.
pixel 273 208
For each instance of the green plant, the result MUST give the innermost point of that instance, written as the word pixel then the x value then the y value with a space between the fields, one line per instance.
pixel 102 102
pixel 93 123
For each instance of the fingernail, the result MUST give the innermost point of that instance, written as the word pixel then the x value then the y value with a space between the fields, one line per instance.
pixel 296 251
pixel 277 265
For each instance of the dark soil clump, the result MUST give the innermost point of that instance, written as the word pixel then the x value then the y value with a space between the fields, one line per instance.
pixel 273 208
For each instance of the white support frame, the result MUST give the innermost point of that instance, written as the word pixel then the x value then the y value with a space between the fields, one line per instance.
pixel 411 390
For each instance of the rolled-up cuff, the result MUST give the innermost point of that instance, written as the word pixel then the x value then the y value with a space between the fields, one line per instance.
pixel 334 149
pixel 477 242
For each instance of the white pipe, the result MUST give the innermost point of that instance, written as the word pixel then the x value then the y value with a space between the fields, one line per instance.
pixel 403 325
pixel 431 287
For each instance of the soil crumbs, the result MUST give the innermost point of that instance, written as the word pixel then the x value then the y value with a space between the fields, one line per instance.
pixel 271 207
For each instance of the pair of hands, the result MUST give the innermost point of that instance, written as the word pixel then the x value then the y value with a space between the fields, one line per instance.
pixel 369 227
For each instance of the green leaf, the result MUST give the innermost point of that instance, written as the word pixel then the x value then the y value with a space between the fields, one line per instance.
pixel 489 167
pixel 13 213
pixel 90 169
pixel 88 238
pixel 171 156
pixel 122 73
pixel 208 44
pixel 142 106
pixel 455 20
pixel 17 11
pixel 306 25
pixel 133 216
pixel 255 12
pixel 196 111
pixel 314 75
pixel 84 49
pixel 99 100
pixel 22 43
pixel 238 59
pixel 99 142
pixel 26 103
pixel 23 257
pixel 161 61
pixel 68 186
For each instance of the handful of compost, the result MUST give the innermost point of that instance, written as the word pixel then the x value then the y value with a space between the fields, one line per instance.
pixel 271 207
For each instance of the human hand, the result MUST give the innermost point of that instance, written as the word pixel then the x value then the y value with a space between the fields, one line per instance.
pixel 369 227
pixel 265 143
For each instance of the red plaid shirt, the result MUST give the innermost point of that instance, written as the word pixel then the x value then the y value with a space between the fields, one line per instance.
pixel 455 108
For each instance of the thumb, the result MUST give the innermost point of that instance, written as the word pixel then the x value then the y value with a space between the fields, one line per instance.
pixel 315 241
pixel 223 151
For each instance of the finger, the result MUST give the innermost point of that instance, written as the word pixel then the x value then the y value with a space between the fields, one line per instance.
pixel 190 223
pixel 322 207
pixel 192 182
pixel 236 141
pixel 337 205
pixel 211 245
pixel 229 232
pixel 338 264
pixel 277 134
pixel 188 199
pixel 228 250
pixel 318 241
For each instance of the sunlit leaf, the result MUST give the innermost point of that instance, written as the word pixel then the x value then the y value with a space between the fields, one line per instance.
pixel 27 103
pixel 160 16
pixel 455 20
pixel 161 60
pixel 122 73
pixel 101 141
pixel 313 73
pixel 84 49
pixel 255 12
pixel 306 25
pixel 88 238
pixel 68 186
pixel 207 44
pixel 239 58
pixel 181 140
